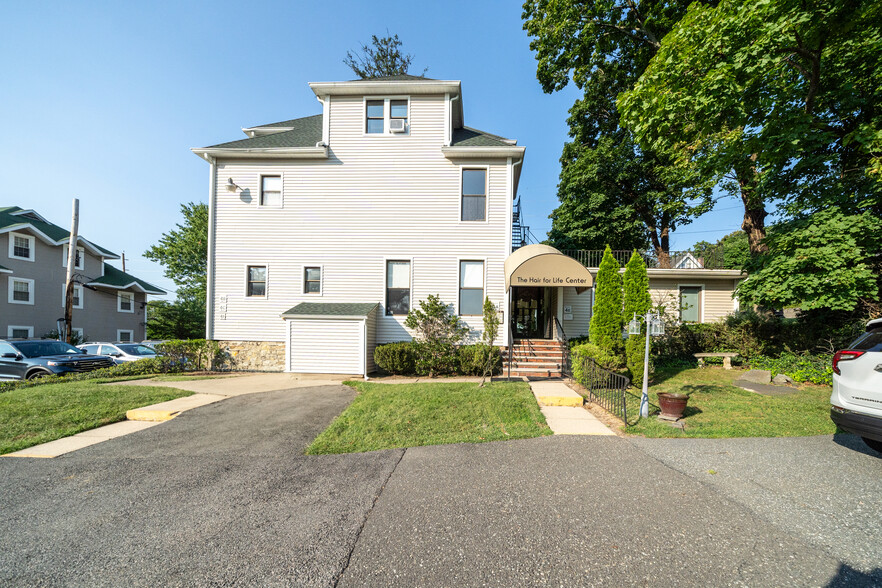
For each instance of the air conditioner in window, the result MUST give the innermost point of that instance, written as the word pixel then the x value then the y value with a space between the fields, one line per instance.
pixel 397 125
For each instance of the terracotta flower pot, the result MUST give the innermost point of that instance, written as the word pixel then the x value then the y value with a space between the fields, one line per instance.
pixel 672 405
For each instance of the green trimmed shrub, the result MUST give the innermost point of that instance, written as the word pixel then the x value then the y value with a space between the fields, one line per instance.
pixel 473 359
pixel 802 367
pixel 194 354
pixel 603 358
pixel 606 320
pixel 396 358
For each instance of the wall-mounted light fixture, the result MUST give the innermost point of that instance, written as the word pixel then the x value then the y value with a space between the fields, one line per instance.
pixel 231 186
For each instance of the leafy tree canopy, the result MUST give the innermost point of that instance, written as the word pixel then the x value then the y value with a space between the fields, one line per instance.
pixel 730 252
pixel 184 252
pixel 382 58
pixel 182 319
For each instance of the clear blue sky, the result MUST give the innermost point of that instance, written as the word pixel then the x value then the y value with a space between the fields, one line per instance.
pixel 103 100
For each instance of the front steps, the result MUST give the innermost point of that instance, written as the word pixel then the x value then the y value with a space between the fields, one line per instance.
pixel 534 358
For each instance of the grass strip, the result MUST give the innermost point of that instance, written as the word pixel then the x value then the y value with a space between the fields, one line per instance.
pixel 31 416
pixel 385 416
pixel 718 409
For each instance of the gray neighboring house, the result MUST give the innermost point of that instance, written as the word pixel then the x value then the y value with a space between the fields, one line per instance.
pixel 109 304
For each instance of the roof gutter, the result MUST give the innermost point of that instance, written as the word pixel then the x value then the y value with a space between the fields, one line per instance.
pixel 368 87
pixel 454 152
pixel 210 153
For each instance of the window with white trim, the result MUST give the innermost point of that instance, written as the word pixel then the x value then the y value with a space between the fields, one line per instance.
pixel 125 336
pixel 375 117
pixel 22 246
pixel 77 295
pixel 312 280
pixel 79 257
pixel 271 191
pixel 21 291
pixel 474 194
pixel 19 332
pixel 398 111
pixel 397 287
pixel 125 302
pixel 256 286
pixel 78 333
pixel 690 304
pixel 471 288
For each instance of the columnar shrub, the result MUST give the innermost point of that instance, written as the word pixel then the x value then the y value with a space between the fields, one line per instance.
pixel 636 301
pixel 606 322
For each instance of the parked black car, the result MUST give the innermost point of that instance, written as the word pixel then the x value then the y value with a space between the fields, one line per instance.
pixel 25 359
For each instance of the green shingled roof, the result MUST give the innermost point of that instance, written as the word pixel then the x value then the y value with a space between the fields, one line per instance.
pixel 120 280
pixel 305 132
pixel 468 137
pixel 52 231
pixel 331 309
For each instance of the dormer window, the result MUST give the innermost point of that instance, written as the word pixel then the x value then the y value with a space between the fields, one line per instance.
pixel 375 117
pixel 386 116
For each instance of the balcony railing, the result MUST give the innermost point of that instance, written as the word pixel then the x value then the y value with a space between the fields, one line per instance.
pixel 708 259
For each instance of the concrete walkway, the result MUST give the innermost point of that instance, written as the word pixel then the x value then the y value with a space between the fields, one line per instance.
pixel 564 411
pixel 206 391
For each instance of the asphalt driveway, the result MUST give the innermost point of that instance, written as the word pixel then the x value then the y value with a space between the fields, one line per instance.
pixel 222 495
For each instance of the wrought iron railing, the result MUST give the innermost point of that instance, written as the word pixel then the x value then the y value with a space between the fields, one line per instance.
pixel 712 258
pixel 510 348
pixel 605 388
pixel 561 336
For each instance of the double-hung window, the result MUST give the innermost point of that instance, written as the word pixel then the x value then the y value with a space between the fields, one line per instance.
pixel 375 117
pixel 124 335
pixel 125 302
pixel 474 194
pixel 77 295
pixel 21 291
pixel 271 191
pixel 397 287
pixel 79 257
pixel 256 286
pixel 21 246
pixel 398 111
pixel 471 287
pixel 312 280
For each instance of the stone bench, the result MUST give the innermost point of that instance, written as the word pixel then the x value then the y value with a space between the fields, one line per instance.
pixel 726 355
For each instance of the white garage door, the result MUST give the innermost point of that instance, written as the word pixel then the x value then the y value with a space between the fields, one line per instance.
pixel 323 346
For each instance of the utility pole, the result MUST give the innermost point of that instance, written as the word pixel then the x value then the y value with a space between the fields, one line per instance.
pixel 71 264
pixel 124 261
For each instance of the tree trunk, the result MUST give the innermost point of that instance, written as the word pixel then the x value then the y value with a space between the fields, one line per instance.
pixel 754 223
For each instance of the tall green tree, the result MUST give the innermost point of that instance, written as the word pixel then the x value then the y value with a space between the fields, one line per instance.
pixel 636 303
pixel 383 57
pixel 605 329
pixel 611 190
pixel 731 252
pixel 183 253
pixel 779 99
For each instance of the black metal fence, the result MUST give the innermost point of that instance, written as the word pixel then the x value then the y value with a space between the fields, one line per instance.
pixel 710 258
pixel 605 388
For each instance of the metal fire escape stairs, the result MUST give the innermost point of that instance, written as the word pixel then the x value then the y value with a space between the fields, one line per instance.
pixel 519 232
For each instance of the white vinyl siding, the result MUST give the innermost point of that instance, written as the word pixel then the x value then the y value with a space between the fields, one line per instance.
pixel 374 199
pixel 581 307
pixel 326 346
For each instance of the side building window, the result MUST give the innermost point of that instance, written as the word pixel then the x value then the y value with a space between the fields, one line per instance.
pixel 312 280
pixel 125 336
pixel 271 191
pixel 256 286
pixel 471 287
pixel 474 194
pixel 398 112
pixel 21 291
pixel 15 332
pixel 374 117
pixel 77 295
pixel 397 287
pixel 21 246
pixel 125 302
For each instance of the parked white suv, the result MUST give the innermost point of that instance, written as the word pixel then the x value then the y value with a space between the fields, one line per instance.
pixel 857 387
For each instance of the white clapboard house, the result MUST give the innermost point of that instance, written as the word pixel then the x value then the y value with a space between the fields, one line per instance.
pixel 325 230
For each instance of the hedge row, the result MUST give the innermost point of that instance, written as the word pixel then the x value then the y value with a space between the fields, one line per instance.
pixel 400 359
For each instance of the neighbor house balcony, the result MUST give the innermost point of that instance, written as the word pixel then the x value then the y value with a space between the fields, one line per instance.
pixel 682 260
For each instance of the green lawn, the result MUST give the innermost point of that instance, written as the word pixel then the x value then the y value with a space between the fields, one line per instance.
pixel 719 409
pixel 38 414
pixel 384 416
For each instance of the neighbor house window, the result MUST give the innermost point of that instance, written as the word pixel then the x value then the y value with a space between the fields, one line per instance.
pixel 256 280
pixel 125 336
pixel 271 191
pixel 21 246
pixel 690 304
pixel 374 116
pixel 21 291
pixel 79 257
pixel 312 280
pixel 77 295
pixel 78 334
pixel 125 302
pixel 397 287
pixel 16 332
pixel 474 194
pixel 471 287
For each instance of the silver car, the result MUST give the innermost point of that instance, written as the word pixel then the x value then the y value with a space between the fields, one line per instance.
pixel 857 387
pixel 120 352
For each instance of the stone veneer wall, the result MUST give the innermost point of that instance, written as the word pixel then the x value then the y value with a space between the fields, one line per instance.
pixel 255 356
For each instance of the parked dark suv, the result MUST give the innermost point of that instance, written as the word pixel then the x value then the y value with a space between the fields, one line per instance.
pixel 26 359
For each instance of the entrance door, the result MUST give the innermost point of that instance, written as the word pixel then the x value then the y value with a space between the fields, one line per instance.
pixel 529 313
